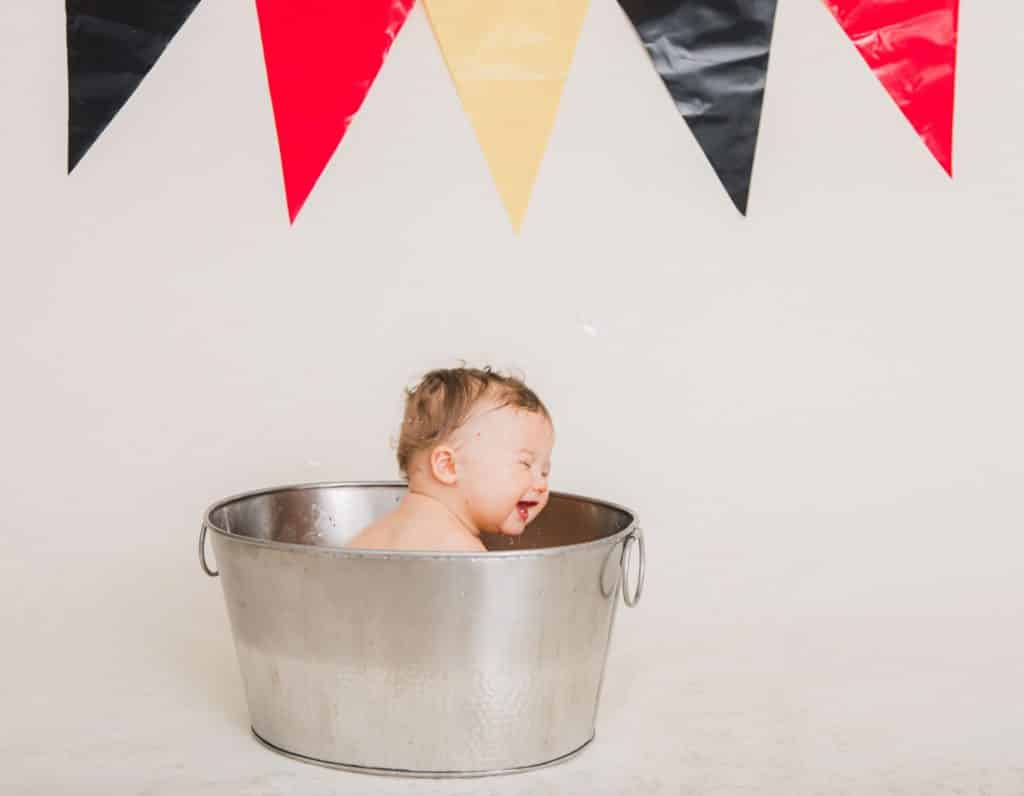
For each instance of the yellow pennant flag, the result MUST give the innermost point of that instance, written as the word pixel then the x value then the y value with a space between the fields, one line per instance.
pixel 509 60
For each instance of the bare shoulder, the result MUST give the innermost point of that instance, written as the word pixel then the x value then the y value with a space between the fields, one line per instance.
pixel 457 543
pixel 387 535
pixel 379 535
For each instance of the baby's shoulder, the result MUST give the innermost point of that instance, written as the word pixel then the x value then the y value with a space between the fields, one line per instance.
pixel 413 533
pixel 376 536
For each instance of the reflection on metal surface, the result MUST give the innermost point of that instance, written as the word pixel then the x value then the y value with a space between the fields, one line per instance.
pixel 418 663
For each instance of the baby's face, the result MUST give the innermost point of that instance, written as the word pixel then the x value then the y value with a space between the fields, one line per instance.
pixel 503 462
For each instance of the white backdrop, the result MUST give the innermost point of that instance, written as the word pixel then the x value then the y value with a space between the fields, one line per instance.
pixel 814 410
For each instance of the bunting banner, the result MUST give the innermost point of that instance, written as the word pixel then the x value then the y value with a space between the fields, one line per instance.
pixel 911 46
pixel 713 58
pixel 509 62
pixel 112 46
pixel 321 59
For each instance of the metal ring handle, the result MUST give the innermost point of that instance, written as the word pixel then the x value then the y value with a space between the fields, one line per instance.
pixel 637 537
pixel 202 553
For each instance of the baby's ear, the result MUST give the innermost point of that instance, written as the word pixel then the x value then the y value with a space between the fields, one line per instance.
pixel 442 465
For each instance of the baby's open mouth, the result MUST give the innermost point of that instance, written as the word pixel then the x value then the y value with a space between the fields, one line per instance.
pixel 523 507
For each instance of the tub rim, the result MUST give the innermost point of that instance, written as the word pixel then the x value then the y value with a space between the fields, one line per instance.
pixel 414 773
pixel 343 552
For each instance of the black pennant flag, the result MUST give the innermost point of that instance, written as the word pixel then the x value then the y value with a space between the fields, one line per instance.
pixel 112 45
pixel 713 57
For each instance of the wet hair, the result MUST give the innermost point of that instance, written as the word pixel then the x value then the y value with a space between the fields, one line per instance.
pixel 441 402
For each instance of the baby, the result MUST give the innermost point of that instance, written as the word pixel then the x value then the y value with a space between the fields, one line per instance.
pixel 476 448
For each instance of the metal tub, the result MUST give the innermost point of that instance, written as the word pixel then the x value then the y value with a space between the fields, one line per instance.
pixel 419 664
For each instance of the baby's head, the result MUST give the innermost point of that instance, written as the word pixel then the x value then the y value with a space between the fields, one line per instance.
pixel 479 439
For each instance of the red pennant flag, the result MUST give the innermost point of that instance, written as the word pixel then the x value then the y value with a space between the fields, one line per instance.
pixel 321 59
pixel 910 45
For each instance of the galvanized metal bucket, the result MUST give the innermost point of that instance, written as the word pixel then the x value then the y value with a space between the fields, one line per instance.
pixel 420 664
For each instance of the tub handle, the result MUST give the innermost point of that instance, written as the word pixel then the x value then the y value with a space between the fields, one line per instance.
pixel 202 554
pixel 635 538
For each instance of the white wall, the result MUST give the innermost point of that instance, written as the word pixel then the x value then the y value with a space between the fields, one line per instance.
pixel 815 410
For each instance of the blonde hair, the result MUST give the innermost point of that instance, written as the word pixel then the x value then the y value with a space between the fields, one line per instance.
pixel 441 402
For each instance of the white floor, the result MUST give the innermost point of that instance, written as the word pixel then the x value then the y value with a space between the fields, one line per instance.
pixel 119 678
